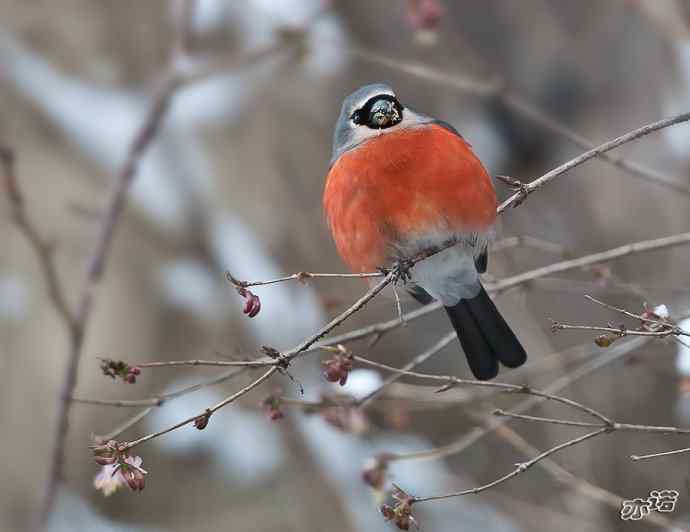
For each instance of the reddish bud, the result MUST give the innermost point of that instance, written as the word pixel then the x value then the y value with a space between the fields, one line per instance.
pixel 252 304
pixel 201 421
pixel 132 472
pixel 134 478
pixel 119 369
pixel 338 368
pixel 374 473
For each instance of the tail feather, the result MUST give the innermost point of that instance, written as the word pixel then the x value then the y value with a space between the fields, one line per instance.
pixel 485 336
pixel 480 356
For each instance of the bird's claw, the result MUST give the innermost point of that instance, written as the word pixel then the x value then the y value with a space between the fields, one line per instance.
pixel 400 270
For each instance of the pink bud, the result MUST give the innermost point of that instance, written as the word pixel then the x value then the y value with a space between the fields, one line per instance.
pixel 252 305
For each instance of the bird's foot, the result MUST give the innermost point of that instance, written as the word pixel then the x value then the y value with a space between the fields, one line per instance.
pixel 400 270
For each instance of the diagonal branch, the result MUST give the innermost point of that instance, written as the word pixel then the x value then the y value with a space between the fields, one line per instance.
pixel 44 251
pixel 530 187
pixel 520 468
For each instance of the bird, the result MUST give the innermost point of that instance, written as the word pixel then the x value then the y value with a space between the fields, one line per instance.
pixel 401 182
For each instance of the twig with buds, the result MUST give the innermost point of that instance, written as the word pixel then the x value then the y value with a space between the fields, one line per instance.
pixel 651 324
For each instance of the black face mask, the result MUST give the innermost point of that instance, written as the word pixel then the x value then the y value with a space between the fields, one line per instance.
pixel 380 112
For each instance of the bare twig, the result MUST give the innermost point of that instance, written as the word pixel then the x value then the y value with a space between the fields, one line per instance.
pixel 416 361
pixel 207 411
pixel 159 400
pixel 561 475
pixel 450 380
pixel 588 260
pixel 611 426
pixel 539 117
pixel 530 187
pixel 520 468
pixel 638 457
pixel 44 251
pixel 129 423
pixel 500 412
pixel 302 276
pixel 197 362
pixel 619 331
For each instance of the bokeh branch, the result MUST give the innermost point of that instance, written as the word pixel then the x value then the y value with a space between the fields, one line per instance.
pixel 96 264
pixel 43 249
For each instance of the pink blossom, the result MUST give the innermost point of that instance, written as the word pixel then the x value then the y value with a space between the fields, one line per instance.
pixel 115 476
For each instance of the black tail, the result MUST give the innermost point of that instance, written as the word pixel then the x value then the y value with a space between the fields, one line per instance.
pixel 485 336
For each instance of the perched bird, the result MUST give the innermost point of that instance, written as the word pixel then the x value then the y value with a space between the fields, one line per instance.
pixel 401 182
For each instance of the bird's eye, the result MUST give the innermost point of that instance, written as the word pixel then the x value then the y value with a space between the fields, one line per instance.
pixel 357 116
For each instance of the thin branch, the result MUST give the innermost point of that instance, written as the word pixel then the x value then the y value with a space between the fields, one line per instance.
pixel 502 413
pixel 302 276
pixel 44 251
pixel 450 380
pixel 536 115
pixel 638 457
pixel 207 412
pixel 128 424
pixel 416 361
pixel 617 331
pixel 612 426
pixel 588 260
pixel 197 362
pixel 520 468
pixel 530 187
pixel 659 323
pixel 565 477
pixel 159 400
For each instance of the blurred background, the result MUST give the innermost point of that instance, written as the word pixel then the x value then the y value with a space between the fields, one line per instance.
pixel 233 181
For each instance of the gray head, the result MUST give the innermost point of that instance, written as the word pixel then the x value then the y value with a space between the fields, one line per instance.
pixel 368 112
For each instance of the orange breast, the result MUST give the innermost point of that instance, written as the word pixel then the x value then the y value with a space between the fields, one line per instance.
pixel 402 185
